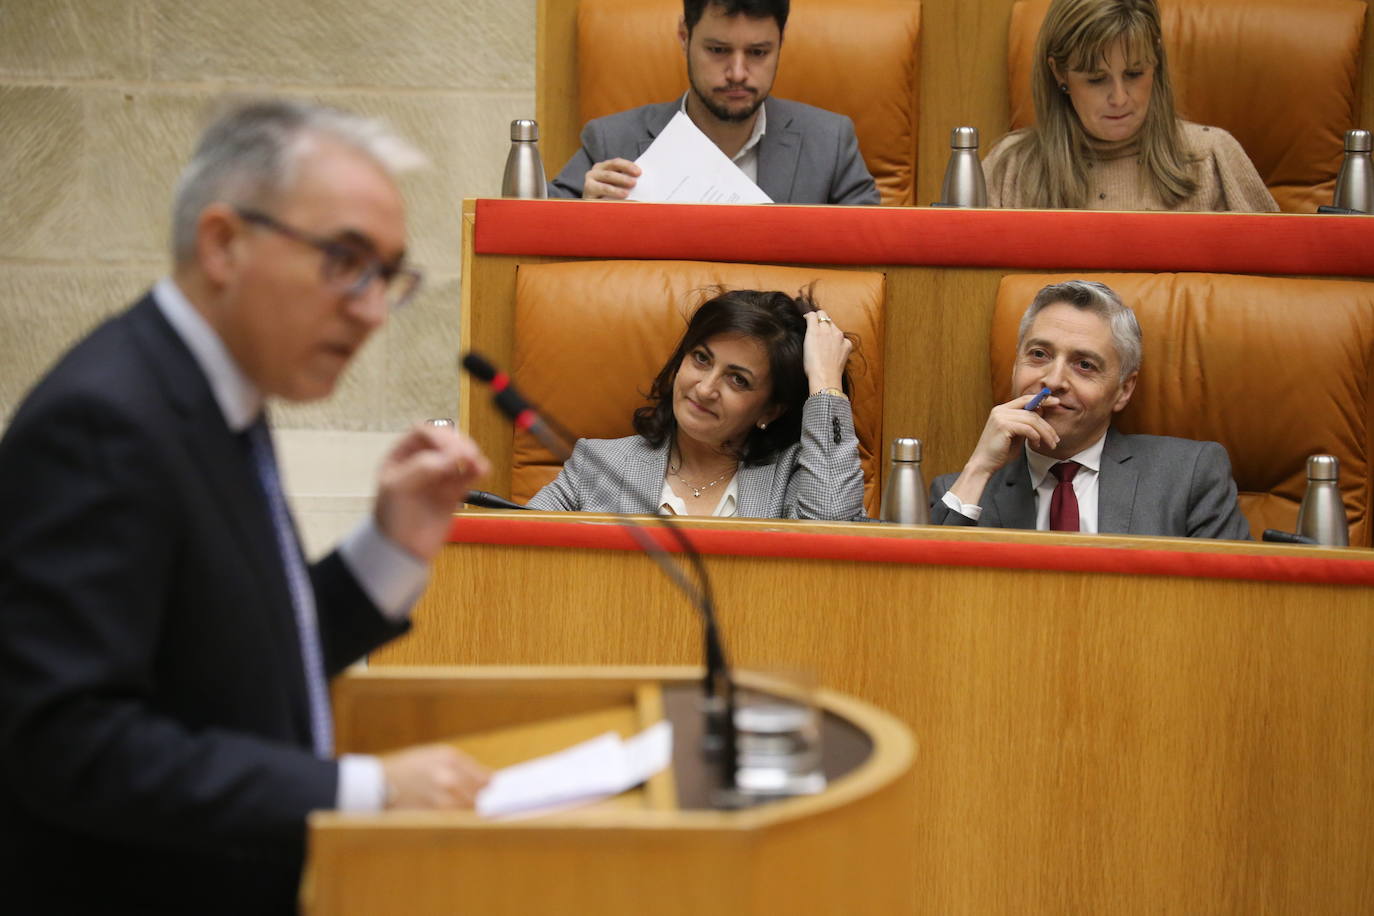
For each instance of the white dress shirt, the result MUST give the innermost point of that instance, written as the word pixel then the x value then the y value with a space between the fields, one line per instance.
pixel 747 159
pixel 1043 483
pixel 389 575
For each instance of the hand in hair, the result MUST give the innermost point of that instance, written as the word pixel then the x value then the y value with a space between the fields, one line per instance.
pixel 610 180
pixel 824 352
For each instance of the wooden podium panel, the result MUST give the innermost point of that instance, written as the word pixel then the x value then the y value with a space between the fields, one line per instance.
pixel 845 850
pixel 1107 724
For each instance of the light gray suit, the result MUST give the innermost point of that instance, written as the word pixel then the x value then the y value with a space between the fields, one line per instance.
pixel 817 478
pixel 807 155
pixel 1147 485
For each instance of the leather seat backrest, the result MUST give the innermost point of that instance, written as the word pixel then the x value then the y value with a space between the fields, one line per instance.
pixel 1281 76
pixel 856 57
pixel 1275 369
pixel 590 336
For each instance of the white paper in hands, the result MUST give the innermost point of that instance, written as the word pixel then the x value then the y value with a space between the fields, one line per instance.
pixel 683 166
pixel 584 773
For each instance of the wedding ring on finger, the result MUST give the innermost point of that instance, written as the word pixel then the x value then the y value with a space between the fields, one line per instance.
pixel 825 318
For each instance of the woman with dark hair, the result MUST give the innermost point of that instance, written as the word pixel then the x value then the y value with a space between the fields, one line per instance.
pixel 748 417
pixel 1107 136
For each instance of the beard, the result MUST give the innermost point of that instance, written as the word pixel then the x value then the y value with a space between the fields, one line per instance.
pixel 723 113
pixel 719 111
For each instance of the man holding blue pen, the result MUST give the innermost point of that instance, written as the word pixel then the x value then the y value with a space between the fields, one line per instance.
pixel 1049 458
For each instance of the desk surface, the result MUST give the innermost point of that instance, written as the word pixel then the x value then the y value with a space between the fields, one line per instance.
pixel 1098 733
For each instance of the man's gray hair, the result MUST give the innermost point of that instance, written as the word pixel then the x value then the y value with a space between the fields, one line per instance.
pixel 248 157
pixel 1100 299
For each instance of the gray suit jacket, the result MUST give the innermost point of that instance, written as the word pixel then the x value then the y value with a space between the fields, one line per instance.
pixel 1148 485
pixel 817 478
pixel 807 155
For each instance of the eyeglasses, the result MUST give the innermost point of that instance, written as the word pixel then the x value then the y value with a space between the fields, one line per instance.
pixel 348 268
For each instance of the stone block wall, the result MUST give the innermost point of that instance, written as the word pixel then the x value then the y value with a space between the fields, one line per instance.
pixel 101 101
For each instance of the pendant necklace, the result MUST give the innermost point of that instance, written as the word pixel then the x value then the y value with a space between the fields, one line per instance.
pixel 698 490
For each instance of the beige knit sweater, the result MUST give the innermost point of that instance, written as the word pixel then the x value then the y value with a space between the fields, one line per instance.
pixel 1226 178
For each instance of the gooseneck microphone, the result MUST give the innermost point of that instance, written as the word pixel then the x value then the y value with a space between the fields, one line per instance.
pixel 717 685
pixel 490 500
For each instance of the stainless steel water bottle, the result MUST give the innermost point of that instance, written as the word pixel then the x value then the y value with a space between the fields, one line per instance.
pixel 1322 516
pixel 904 498
pixel 1355 183
pixel 964 183
pixel 524 170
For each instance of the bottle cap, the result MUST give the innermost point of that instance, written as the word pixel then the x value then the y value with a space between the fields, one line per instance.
pixel 524 129
pixel 1357 141
pixel 963 138
pixel 906 449
pixel 1323 467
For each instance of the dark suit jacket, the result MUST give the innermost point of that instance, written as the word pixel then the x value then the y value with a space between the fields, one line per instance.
pixel 154 732
pixel 1147 485
pixel 807 155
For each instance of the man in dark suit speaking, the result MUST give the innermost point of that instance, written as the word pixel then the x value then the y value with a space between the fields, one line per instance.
pixel 795 153
pixel 164 648
pixel 1061 466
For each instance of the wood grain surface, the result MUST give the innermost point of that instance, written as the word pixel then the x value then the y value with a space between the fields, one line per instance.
pixel 846 850
pixel 1089 742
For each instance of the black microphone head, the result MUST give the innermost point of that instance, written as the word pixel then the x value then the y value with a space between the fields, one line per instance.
pixel 476 365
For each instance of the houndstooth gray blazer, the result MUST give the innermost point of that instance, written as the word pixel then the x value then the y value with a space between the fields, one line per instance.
pixel 817 478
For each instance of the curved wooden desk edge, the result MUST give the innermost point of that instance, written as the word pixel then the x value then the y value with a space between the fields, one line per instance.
pixel 894 751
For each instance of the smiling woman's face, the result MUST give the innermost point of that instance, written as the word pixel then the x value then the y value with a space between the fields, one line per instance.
pixel 1111 101
pixel 723 388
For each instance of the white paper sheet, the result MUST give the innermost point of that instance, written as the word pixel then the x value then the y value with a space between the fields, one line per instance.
pixel 683 166
pixel 595 769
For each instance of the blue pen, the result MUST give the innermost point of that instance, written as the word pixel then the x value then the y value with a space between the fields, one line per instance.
pixel 1035 401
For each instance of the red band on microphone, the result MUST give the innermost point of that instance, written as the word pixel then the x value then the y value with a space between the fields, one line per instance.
pixel 499 382
pixel 525 419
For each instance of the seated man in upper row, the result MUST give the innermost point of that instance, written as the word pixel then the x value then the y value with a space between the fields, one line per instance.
pixel 1062 467
pixel 795 153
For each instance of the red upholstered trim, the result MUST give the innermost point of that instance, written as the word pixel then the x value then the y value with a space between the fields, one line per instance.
pixel 472 529
pixel 1030 239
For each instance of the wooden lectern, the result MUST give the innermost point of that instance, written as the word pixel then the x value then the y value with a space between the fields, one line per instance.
pixel 653 850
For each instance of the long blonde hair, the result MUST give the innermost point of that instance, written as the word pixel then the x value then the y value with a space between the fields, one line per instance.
pixel 1053 155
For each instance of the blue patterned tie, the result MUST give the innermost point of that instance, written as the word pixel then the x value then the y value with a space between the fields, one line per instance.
pixel 302 592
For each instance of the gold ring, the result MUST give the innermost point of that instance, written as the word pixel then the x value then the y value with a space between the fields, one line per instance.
pixel 824 318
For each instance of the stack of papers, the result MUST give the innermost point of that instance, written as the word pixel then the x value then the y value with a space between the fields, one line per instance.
pixel 683 166
pixel 599 768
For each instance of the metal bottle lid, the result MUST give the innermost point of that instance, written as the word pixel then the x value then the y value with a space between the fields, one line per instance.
pixel 967 138
pixel 906 449
pixel 1357 141
pixel 1323 467
pixel 441 423
pixel 524 129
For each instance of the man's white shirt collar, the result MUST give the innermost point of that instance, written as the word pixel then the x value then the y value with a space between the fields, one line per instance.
pixel 1090 458
pixel 238 398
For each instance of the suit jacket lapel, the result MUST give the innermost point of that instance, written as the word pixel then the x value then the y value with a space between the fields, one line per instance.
pixel 1013 498
pixel 644 471
pixel 755 491
pixel 779 150
pixel 655 121
pixel 1116 485
pixel 222 459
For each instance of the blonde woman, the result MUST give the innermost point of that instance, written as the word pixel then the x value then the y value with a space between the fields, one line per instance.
pixel 1107 136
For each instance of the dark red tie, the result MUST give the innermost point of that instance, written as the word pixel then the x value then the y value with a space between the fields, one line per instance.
pixel 1064 502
